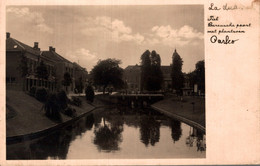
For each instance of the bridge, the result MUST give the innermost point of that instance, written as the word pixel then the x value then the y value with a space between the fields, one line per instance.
pixel 136 100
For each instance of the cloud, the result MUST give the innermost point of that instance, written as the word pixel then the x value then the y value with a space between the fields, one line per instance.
pixel 110 29
pixel 172 37
pixel 34 19
pixel 85 58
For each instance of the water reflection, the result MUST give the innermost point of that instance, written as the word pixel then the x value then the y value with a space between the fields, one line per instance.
pixel 176 130
pixel 53 146
pixel 107 137
pixel 149 130
pixel 196 136
pixel 125 132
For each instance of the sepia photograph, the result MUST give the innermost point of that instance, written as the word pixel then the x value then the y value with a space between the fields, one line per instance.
pixel 105 82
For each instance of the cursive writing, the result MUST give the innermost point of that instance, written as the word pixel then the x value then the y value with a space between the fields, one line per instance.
pixel 212 7
pixel 214 39
pixel 212 18
pixel 234 7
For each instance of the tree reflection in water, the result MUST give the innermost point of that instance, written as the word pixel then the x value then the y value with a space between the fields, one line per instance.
pixel 176 130
pixel 55 146
pixel 107 127
pixel 90 120
pixel 108 136
pixel 149 130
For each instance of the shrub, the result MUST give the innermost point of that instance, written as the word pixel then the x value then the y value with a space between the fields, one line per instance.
pixel 62 99
pixel 70 112
pixel 89 93
pixel 51 107
pixel 32 91
pixel 41 94
pixel 76 101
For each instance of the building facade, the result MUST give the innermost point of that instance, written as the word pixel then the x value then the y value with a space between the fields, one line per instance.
pixel 62 66
pixel 22 62
pixel 81 77
pixel 21 66
pixel 132 77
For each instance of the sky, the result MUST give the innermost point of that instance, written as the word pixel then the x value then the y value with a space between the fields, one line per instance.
pixel 86 34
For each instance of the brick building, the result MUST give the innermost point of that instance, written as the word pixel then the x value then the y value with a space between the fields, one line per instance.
pixel 80 76
pixel 22 61
pixel 62 66
pixel 132 76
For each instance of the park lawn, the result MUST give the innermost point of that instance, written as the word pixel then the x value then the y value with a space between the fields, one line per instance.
pixel 184 108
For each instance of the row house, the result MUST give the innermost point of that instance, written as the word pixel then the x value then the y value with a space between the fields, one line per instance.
pixel 81 77
pixel 62 66
pixel 22 62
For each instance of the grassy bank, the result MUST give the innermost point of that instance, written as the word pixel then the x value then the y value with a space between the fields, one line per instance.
pixel 190 108
pixel 26 114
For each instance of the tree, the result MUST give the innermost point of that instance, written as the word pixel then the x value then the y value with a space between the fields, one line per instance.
pixel 107 72
pixel 151 74
pixel 192 78
pixel 176 73
pixel 156 76
pixel 90 93
pixel 79 85
pixel 66 80
pixel 200 75
pixel 23 69
pixel 42 71
pixel 145 69
pixel 23 66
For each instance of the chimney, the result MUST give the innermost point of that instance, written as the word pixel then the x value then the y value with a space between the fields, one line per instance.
pixel 51 48
pixel 8 35
pixel 36 46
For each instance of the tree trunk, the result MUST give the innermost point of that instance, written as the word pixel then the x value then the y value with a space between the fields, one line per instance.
pixel 104 89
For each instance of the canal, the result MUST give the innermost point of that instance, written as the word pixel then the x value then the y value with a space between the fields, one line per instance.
pixel 116 133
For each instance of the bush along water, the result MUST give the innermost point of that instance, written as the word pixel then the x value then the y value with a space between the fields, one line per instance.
pixel 41 94
pixel 32 91
pixel 62 99
pixel 75 101
pixel 57 103
pixel 89 93
pixel 52 108
pixel 70 112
